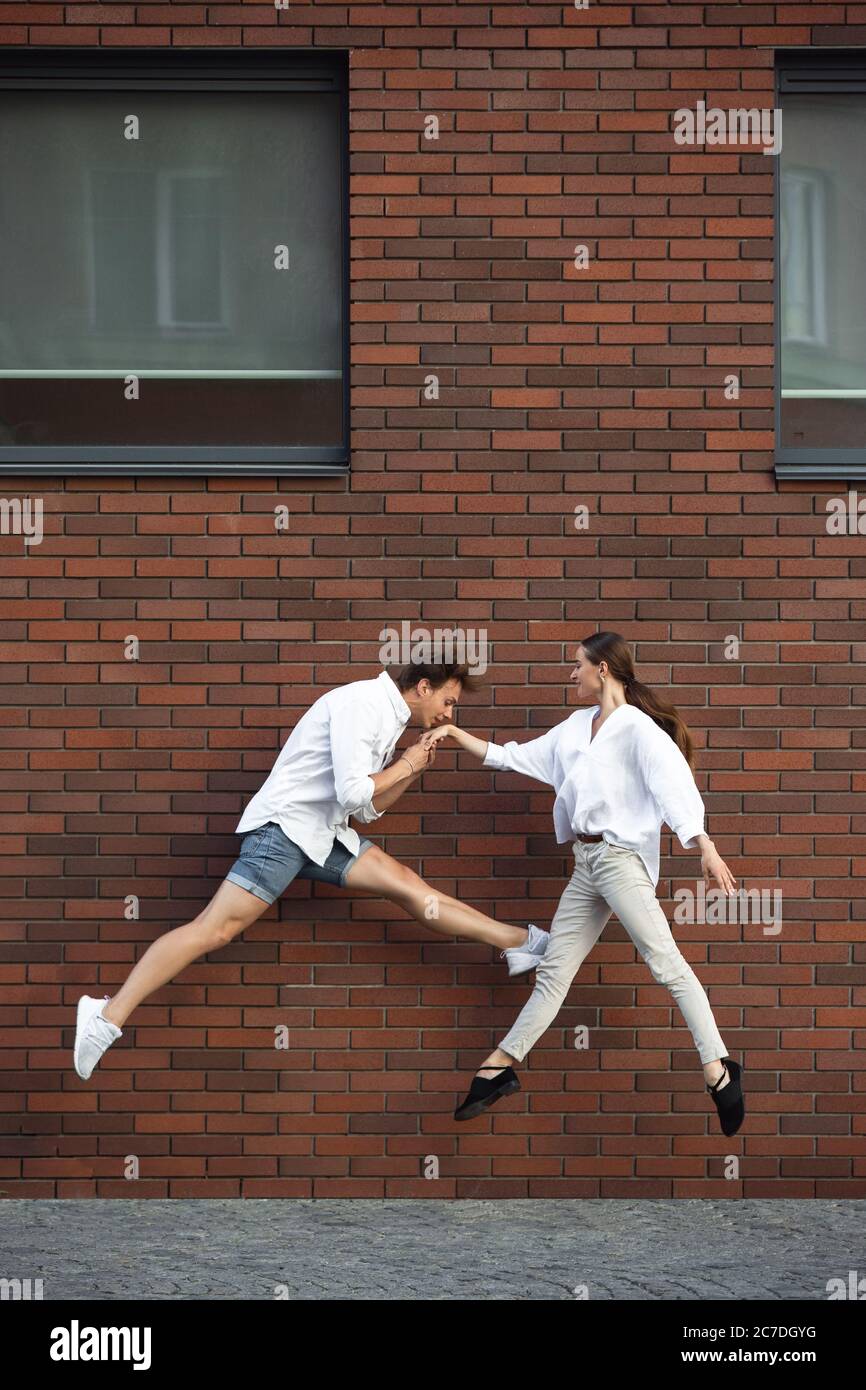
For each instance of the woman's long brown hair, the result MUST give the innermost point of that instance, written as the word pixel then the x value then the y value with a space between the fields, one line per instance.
pixel 610 647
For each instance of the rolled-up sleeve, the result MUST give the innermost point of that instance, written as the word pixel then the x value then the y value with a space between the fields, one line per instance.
pixel 353 731
pixel 672 785
pixel 534 758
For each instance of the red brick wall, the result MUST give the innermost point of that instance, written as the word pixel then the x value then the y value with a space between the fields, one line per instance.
pixel 558 387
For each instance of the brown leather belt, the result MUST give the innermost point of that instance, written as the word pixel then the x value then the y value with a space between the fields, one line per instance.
pixel 589 839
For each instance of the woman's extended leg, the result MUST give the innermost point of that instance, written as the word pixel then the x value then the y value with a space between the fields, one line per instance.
pixel 379 873
pixel 229 911
pixel 623 879
pixel 577 924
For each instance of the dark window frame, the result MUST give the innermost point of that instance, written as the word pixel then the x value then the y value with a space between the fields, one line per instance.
pixel 228 70
pixel 801 71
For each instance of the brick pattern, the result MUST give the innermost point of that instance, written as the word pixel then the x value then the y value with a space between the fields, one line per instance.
pixel 558 387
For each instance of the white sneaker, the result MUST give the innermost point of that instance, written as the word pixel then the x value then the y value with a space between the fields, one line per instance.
pixel 522 959
pixel 93 1034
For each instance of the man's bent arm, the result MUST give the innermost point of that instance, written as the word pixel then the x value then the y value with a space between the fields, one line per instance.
pixel 394 780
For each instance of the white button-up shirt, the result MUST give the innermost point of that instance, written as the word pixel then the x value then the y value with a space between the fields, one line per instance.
pixel 322 774
pixel 622 784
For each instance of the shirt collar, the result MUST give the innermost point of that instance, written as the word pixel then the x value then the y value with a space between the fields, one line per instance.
pixel 389 686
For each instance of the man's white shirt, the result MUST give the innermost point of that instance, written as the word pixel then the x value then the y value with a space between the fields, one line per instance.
pixel 322 774
pixel 622 784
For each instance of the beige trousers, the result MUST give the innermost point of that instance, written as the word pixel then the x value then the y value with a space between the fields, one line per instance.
pixel 608 878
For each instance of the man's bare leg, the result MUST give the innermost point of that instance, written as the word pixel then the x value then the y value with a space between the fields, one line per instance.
pixel 229 911
pixel 379 873
pixel 232 909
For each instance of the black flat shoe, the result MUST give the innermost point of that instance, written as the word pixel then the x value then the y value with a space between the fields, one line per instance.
pixel 729 1100
pixel 485 1090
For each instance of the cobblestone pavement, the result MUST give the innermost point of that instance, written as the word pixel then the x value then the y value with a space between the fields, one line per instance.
pixel 401 1249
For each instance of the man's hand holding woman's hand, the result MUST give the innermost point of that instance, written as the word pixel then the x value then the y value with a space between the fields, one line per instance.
pixel 431 737
pixel 418 755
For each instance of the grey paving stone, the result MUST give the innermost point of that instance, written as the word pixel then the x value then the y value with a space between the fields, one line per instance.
pixel 412 1249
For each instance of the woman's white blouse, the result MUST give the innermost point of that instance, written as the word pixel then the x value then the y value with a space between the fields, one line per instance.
pixel 622 784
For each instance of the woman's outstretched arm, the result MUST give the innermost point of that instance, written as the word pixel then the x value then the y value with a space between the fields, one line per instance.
pixel 468 742
pixel 535 758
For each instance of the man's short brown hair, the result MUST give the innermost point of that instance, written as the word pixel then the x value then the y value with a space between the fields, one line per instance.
pixel 437 675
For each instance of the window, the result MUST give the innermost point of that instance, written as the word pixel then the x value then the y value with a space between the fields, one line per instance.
pixel 821 266
pixel 173 262
pixel 803 258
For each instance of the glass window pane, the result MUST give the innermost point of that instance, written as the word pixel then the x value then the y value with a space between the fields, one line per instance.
pixel 155 256
pixel 822 199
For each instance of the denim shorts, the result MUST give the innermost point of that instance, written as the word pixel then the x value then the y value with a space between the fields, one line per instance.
pixel 269 861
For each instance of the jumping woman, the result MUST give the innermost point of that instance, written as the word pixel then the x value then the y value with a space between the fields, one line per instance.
pixel 619 769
